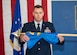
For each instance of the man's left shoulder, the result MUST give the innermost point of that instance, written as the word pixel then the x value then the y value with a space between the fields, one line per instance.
pixel 48 23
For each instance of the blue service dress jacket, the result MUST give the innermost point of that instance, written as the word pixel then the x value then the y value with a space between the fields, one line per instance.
pixel 42 47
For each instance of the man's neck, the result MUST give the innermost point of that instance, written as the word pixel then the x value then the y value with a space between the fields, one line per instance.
pixel 38 21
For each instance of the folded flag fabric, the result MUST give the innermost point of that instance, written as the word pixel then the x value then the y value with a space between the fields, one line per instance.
pixel 51 38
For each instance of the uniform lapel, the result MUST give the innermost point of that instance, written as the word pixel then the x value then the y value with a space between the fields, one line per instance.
pixel 43 26
pixel 33 27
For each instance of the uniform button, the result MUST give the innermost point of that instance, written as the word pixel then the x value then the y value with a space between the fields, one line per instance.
pixel 38 48
pixel 20 53
pixel 38 42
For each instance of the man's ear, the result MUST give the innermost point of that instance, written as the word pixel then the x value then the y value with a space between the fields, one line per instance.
pixel 33 13
pixel 43 13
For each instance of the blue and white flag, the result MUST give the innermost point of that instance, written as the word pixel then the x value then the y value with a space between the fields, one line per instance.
pixel 16 28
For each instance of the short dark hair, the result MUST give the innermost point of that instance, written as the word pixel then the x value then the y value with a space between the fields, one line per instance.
pixel 38 6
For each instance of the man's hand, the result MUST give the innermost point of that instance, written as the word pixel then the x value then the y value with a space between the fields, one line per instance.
pixel 61 38
pixel 24 38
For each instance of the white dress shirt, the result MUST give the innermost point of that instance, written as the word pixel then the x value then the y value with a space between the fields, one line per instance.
pixel 35 22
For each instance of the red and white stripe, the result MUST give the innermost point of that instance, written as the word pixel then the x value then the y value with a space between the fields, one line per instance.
pixel 7 13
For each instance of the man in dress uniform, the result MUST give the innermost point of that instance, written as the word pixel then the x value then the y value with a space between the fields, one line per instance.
pixel 38 25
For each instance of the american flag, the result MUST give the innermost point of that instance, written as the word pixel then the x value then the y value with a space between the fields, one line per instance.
pixel 6 16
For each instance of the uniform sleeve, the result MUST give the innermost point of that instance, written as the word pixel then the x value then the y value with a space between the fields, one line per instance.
pixel 51 27
pixel 25 27
pixel 24 30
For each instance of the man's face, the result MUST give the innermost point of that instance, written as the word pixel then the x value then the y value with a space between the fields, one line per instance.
pixel 38 14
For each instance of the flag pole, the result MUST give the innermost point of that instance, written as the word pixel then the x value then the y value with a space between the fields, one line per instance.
pixel 62 34
pixel 69 35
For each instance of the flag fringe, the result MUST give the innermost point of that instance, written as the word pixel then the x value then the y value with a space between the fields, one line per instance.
pixel 17 48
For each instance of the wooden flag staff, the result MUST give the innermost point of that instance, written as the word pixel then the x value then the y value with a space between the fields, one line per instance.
pixel 69 35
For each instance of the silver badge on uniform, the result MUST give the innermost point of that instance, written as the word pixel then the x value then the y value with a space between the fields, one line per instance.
pixel 47 30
